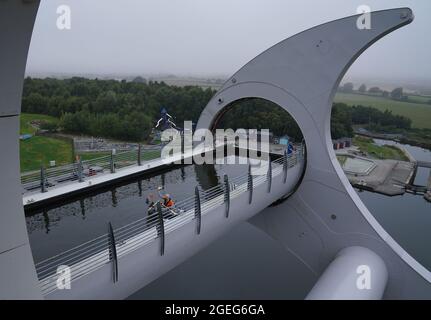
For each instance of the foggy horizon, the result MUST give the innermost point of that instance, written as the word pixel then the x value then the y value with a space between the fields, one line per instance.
pixel 210 39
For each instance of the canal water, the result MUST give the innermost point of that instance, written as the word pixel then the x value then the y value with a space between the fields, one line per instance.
pixel 407 218
pixel 245 263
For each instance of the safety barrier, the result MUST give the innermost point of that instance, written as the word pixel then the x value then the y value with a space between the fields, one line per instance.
pixel 48 177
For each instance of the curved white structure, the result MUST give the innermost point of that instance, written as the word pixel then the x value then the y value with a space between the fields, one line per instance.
pixel 17 274
pixel 323 216
pixel 301 74
pixel 355 274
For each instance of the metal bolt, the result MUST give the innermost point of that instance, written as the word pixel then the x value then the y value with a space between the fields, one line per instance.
pixel 233 80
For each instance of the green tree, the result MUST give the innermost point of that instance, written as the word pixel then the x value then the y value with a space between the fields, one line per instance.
pixel 348 87
pixel 341 121
pixel 362 88
pixel 397 94
pixel 375 90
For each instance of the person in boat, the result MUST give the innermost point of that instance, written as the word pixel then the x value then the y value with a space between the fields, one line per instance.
pixel 167 201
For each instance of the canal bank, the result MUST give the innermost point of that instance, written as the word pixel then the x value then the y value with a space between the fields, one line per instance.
pixel 103 177
pixel 419 142
pixel 387 177
pixel 384 167
pixel 421 181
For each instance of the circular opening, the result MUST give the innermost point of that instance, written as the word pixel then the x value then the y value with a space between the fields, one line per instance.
pixel 274 125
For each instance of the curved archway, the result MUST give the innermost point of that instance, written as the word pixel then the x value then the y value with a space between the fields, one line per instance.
pixel 301 74
pixel 258 113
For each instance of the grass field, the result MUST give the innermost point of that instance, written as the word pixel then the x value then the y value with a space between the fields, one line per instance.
pixel 39 150
pixel 419 99
pixel 379 152
pixel 26 118
pixel 419 113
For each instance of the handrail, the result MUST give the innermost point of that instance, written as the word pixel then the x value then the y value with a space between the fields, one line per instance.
pixel 78 170
pixel 95 253
pixel 113 252
pixel 250 184
pixel 198 210
pixel 227 195
pixel 161 229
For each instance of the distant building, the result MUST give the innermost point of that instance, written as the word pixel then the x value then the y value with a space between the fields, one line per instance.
pixel 342 143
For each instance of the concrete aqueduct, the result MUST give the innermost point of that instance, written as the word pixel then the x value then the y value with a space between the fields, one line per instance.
pixel 319 217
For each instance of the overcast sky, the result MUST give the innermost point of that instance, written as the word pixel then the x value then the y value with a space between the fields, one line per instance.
pixel 209 37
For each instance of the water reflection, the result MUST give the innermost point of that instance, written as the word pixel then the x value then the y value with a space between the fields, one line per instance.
pixel 114 197
pixel 183 174
pixel 140 187
pixel 81 203
pixel 46 220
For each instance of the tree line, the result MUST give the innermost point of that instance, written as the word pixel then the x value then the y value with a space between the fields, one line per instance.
pixel 260 114
pixel 109 108
pixel 396 94
pixel 344 117
pixel 129 110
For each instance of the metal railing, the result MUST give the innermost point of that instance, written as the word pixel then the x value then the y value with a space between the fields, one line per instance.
pixel 47 177
pixel 116 243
